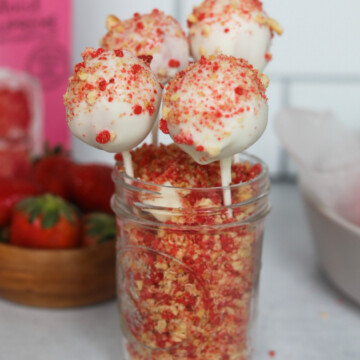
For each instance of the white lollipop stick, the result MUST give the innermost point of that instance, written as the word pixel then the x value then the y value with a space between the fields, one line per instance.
pixel 225 168
pixel 128 163
pixel 155 131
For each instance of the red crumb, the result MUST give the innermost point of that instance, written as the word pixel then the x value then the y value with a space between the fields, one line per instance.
pixel 272 353
pixel 201 16
pixel 184 139
pixel 147 59
pixel 102 85
pixel 119 53
pixel 103 137
pixel 150 109
pixel 268 56
pixel 239 90
pixel 79 66
pixel 97 53
pixel 140 26
pixel 174 63
pixel 163 126
pixel 137 109
pixel 136 68
pixel 118 157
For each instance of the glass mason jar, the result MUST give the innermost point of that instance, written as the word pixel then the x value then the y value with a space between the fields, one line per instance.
pixel 187 277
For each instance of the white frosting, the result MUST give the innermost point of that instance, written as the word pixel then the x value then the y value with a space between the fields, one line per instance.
pixel 130 131
pixel 216 108
pixel 245 39
pixel 172 48
pixel 243 131
pixel 90 112
pixel 158 35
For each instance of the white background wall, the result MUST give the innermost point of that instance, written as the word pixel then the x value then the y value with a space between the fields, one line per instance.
pixel 320 51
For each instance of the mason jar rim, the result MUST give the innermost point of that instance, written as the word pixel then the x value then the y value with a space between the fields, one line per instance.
pixel 150 224
pixel 130 183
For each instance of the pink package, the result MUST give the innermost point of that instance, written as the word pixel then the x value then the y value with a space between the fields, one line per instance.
pixel 35 38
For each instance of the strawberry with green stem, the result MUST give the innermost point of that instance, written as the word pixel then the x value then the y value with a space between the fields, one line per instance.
pixel 46 222
pixel 98 228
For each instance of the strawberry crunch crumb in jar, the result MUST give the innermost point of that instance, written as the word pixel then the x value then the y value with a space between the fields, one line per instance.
pixel 188 268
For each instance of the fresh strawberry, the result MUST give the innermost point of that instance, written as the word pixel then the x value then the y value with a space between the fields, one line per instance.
pixel 98 228
pixel 52 172
pixel 46 222
pixel 11 192
pixel 92 187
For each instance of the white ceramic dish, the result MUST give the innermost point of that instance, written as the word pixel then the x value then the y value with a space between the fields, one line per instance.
pixel 338 247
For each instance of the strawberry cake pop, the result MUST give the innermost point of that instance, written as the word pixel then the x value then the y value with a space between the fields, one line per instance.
pixel 233 27
pixel 112 101
pixel 153 34
pixel 216 108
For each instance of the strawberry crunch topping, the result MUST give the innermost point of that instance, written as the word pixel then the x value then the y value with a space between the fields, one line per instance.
pixel 220 84
pixel 213 11
pixel 104 75
pixel 103 137
pixel 142 34
pixel 107 92
pixel 168 163
pixel 207 101
pixel 150 35
pixel 147 35
pixel 232 27
pixel 194 303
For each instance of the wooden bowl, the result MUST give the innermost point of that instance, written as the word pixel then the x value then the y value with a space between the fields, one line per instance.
pixel 58 278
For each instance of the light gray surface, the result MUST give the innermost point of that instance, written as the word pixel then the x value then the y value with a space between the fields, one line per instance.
pixel 301 316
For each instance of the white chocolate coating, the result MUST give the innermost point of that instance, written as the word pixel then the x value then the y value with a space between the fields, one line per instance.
pixel 237 28
pixel 153 34
pixel 168 198
pixel 215 108
pixel 112 100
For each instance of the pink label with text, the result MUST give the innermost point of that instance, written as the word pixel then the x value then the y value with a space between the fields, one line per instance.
pixel 35 37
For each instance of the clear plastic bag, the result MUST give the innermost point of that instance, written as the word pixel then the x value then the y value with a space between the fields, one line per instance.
pixel 328 158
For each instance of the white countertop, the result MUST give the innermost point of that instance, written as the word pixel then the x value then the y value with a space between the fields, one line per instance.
pixel 301 316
